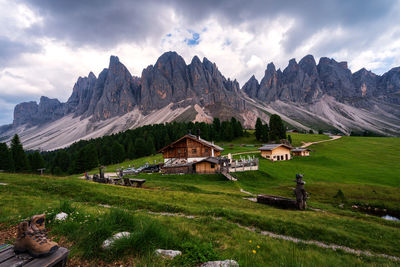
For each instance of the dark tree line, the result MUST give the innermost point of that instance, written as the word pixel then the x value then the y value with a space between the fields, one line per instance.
pixel 144 141
pixel 15 159
pixel 273 132
pixel 88 154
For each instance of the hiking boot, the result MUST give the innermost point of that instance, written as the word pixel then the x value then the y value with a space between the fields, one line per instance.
pixel 39 222
pixel 30 240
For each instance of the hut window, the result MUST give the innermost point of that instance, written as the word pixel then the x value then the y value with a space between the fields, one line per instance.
pixel 179 150
pixel 206 150
pixel 212 165
pixel 194 150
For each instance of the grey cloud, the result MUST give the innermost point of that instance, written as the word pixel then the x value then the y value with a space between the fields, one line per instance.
pixel 100 23
pixel 105 23
pixel 10 50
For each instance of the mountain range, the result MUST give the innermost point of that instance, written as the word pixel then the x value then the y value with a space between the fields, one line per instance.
pixel 306 95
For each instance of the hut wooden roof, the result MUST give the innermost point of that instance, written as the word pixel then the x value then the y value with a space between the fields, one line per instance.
pixel 193 137
pixel 271 147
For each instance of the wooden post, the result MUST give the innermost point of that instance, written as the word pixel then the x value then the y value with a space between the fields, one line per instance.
pixel 41 170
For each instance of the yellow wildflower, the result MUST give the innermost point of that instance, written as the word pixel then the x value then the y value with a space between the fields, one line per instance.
pixel 254 252
pixel 249 241
pixel 258 246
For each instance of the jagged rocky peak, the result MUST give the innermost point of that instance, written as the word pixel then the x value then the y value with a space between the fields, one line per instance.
pixel 270 68
pixel 195 61
pixel 49 110
pixel 172 66
pixel 251 87
pixel 293 66
pixel 211 67
pixel 82 91
pixel 308 65
pixel 336 78
pixel 117 94
pixel 389 86
pixel 270 77
pixel 116 67
pixel 24 112
pixel 365 82
pixel 164 83
pixel 114 60
pixel 31 113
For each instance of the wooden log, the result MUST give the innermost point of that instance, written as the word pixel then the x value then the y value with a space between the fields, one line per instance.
pixel 277 201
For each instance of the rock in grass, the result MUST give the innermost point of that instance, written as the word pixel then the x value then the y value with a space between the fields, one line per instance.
pixel 61 216
pixel 168 253
pixel 225 263
pixel 3 184
pixel 109 242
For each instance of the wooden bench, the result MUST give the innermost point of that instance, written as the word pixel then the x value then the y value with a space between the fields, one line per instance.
pixel 131 182
pixel 8 258
pixel 139 182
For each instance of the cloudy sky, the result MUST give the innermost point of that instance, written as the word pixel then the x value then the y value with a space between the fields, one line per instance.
pixel 45 45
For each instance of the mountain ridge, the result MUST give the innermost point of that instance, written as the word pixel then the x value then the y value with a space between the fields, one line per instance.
pixel 326 95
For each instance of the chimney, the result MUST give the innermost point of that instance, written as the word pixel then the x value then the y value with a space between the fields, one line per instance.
pixel 198 133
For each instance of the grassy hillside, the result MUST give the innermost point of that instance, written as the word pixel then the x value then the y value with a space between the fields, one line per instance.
pixel 214 207
pixel 249 143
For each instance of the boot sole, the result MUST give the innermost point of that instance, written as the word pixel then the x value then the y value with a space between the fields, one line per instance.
pixel 35 255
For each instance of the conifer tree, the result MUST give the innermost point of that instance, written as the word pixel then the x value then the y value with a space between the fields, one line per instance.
pixel 259 127
pixel 130 150
pixel 227 131
pixel 217 128
pixel 91 157
pixel 117 153
pixel 36 161
pixel 265 133
pixel 276 128
pixel 6 161
pixel 151 150
pixel 237 127
pixel 61 160
pixel 18 154
pixel 140 147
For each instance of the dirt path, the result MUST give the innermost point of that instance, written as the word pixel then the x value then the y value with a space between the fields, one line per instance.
pixel 333 137
pixel 247 152
pixel 106 174
pixel 289 238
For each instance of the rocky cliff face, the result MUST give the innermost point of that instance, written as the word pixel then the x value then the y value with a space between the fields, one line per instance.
pixel 24 113
pixel 299 82
pixel 30 113
pixel 116 92
pixel 170 80
pixel 119 94
pixel 388 88
pixel 82 92
pixel 307 82
pixel 305 94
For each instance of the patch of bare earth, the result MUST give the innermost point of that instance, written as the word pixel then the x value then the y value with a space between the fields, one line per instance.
pixel 7 233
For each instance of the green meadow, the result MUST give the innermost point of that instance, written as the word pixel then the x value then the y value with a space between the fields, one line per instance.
pixel 209 218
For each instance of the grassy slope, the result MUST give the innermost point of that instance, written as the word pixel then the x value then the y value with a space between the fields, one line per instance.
pixel 236 145
pixel 327 170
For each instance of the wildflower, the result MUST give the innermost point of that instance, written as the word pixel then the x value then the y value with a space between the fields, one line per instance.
pixel 254 252
pixel 258 246
pixel 249 241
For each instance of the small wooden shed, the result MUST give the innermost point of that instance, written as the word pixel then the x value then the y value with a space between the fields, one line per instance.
pixel 276 152
pixel 207 166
